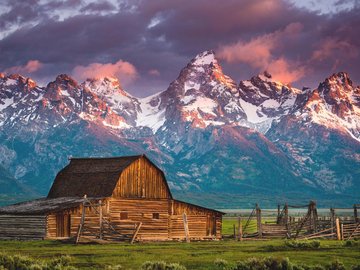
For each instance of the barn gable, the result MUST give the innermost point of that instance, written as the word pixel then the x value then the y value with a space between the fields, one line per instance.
pixel 104 177
pixel 142 179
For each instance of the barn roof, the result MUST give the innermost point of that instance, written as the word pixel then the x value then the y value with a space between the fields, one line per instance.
pixel 95 177
pixel 41 206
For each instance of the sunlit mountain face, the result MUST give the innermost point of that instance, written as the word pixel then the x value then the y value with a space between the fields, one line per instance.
pixel 258 140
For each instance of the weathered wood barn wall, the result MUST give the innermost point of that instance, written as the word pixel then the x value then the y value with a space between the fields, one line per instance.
pixel 121 194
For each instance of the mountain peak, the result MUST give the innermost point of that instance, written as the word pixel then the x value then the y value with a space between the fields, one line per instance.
pixel 65 79
pixel 204 58
pixel 341 78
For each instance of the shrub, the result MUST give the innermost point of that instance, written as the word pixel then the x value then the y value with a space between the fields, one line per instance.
pixel 355 267
pixel 161 265
pixel 302 244
pixel 221 263
pixel 114 267
pixel 337 265
pixel 20 262
pixel 265 264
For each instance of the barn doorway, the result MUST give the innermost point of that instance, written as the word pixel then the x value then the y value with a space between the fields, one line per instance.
pixel 211 225
pixel 63 225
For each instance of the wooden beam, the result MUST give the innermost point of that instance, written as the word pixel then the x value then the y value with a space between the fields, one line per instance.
pixel 186 228
pixel 136 232
pixel 81 225
pixel 337 222
pixel 100 219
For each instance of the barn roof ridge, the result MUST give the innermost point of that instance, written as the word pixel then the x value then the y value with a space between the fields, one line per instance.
pixel 112 157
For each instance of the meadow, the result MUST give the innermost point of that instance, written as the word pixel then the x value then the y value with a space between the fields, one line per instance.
pixel 195 255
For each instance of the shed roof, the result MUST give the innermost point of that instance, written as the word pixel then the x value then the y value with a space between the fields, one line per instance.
pixel 41 206
pixel 95 177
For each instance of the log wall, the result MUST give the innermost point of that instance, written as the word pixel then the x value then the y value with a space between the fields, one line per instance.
pixel 141 179
pixel 22 227
pixel 158 222
pixel 142 210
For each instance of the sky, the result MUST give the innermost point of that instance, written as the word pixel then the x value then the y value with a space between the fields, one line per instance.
pixel 146 43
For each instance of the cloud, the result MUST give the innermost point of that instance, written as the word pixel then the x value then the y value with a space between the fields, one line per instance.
pixel 124 71
pixel 30 67
pixel 268 33
pixel 154 72
pixel 259 53
pixel 332 47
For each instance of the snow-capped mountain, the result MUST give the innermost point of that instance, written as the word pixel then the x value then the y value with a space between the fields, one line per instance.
pixel 207 132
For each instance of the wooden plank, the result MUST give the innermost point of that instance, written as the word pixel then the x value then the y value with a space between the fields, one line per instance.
pixel 136 232
pixel 186 228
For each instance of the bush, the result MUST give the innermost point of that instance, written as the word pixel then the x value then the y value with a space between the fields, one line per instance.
pixel 355 267
pixel 20 262
pixel 337 265
pixel 302 244
pixel 265 264
pixel 161 265
pixel 221 263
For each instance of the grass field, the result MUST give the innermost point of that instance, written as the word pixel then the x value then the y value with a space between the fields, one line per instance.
pixel 195 255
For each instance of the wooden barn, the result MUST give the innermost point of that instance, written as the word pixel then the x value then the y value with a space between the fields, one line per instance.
pixel 119 198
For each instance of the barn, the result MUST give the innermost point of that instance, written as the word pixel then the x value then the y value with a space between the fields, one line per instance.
pixel 117 198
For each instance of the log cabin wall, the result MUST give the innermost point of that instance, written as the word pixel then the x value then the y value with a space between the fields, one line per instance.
pixel 141 179
pixel 202 223
pixel 22 227
pixel 153 214
pixel 54 229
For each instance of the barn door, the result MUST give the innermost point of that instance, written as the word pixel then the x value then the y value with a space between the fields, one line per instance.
pixel 63 225
pixel 211 225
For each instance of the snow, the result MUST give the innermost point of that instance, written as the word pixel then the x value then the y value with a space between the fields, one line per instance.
pixel 150 116
pixel 188 99
pixel 205 104
pixel 205 58
pixel 191 85
pixel 271 103
pixel 7 103
pixel 251 112
pixel 10 82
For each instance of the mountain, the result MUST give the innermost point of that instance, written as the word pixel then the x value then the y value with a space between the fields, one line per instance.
pixel 220 143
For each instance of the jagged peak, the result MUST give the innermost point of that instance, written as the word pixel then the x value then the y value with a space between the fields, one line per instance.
pixel 204 58
pixel 2 75
pixel 64 78
pixel 340 78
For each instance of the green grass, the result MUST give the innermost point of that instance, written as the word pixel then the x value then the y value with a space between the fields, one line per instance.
pixel 196 255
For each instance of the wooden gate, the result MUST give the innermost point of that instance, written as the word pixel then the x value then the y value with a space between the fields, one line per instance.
pixel 63 225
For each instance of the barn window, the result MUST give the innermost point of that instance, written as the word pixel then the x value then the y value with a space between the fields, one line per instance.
pixel 156 216
pixel 124 215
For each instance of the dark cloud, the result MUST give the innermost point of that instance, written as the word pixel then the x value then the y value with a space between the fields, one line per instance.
pixel 164 35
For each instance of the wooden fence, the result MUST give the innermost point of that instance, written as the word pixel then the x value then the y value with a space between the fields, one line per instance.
pixel 264 224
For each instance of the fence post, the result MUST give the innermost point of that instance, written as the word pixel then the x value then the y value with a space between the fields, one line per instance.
pixel 100 219
pixel 355 213
pixel 338 234
pixel 240 229
pixel 234 229
pixel 278 214
pixel 258 219
pixel 342 231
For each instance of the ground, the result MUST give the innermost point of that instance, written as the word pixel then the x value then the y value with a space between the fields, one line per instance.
pixel 195 255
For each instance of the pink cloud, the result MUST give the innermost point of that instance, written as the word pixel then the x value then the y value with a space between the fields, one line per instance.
pixel 330 46
pixel 124 71
pixel 283 71
pixel 30 67
pixel 259 54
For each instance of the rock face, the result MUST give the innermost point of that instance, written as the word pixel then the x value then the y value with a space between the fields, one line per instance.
pixel 258 141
